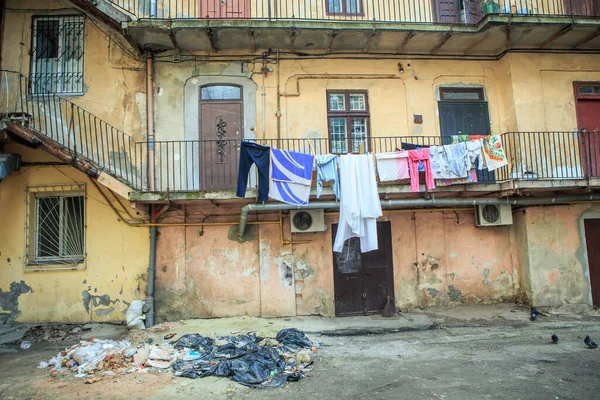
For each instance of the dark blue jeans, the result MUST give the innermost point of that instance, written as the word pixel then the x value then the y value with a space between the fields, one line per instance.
pixel 252 153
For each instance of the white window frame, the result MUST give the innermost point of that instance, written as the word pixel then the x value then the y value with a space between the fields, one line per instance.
pixel 33 194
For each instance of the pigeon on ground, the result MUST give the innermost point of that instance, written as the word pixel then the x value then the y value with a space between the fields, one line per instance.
pixel 590 343
pixel 535 313
pixel 554 338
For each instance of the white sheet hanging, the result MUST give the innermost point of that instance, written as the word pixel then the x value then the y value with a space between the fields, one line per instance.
pixel 359 205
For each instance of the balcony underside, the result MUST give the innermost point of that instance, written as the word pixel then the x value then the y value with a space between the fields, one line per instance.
pixel 550 187
pixel 490 38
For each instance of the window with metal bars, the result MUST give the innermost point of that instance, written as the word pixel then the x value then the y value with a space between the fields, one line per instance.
pixel 55 224
pixel 57 54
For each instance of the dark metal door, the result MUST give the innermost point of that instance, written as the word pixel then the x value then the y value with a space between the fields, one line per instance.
pixel 446 11
pixel 473 12
pixel 592 238
pixel 466 118
pixel 220 135
pixel 362 282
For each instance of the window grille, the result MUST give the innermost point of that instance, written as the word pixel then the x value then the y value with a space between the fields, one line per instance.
pixel 55 226
pixel 57 54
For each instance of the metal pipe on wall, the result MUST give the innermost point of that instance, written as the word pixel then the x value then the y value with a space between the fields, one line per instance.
pixel 150 120
pixel 417 203
pixel 151 276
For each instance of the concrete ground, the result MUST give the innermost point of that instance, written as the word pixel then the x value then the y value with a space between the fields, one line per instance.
pixel 448 353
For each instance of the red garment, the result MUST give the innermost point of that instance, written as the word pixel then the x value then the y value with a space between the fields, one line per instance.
pixel 414 156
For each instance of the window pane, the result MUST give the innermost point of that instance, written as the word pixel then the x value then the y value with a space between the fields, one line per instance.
pixel 358 127
pixel 586 90
pixel 46 39
pixel 72 227
pixel 335 6
pixel 357 102
pixel 596 89
pixel 461 95
pixel 337 102
pixel 339 137
pixel 221 93
pixel 48 227
pixel 353 6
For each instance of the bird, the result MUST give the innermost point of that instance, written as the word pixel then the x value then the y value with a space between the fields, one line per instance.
pixel 590 343
pixel 554 338
pixel 535 313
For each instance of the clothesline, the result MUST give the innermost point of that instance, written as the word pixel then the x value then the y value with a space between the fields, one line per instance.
pixel 286 176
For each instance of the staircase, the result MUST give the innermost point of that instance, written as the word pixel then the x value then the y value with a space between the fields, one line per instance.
pixel 71 134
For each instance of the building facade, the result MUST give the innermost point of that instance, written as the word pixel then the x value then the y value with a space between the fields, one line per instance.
pixel 128 117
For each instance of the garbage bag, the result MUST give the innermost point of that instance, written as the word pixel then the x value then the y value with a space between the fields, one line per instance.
pixel 293 338
pixel 241 340
pixel 231 351
pixel 134 317
pixel 194 341
pixel 193 369
pixel 262 368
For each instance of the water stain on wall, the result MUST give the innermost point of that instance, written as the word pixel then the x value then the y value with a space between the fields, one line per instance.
pixel 9 301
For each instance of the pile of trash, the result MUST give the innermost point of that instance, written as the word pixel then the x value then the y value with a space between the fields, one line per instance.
pixel 247 359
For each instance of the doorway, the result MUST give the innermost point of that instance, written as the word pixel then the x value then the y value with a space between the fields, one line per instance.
pixel 464 111
pixel 362 282
pixel 220 9
pixel 221 131
pixel 446 11
pixel 587 97
pixel 592 238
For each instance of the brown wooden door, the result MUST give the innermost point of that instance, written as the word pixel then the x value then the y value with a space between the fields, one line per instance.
pixel 220 135
pixel 362 282
pixel 592 238
pixel 587 95
pixel 473 12
pixel 446 11
pixel 225 9
pixel 582 7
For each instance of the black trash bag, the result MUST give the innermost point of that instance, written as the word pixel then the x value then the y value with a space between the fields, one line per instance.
pixel 194 341
pixel 262 368
pixel 293 338
pixel 193 369
pixel 242 340
pixel 230 351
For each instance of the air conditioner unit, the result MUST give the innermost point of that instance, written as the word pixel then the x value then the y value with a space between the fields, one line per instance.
pixel 304 221
pixel 493 215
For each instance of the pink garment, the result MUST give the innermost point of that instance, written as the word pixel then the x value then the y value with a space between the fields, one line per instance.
pixel 392 166
pixel 414 156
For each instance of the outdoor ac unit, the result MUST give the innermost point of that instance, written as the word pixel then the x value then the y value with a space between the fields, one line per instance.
pixel 493 215
pixel 304 221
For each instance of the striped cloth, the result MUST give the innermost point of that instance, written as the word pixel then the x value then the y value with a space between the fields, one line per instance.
pixel 290 176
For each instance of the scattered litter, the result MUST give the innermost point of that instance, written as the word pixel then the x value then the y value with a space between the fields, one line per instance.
pixel 25 345
pixel 247 359
pixel 169 336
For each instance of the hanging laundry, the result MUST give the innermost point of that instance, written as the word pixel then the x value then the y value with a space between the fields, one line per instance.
pixel 254 153
pixel 450 161
pixel 414 156
pixel 465 138
pixel 474 151
pixel 392 166
pixel 290 176
pixel 360 205
pixel 472 178
pixel 327 171
pixel 493 152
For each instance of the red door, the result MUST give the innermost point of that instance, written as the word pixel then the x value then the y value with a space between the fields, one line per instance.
pixel 582 7
pixel 225 9
pixel 446 11
pixel 587 95
pixel 592 238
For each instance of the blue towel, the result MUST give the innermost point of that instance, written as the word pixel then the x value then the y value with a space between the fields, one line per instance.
pixel 291 176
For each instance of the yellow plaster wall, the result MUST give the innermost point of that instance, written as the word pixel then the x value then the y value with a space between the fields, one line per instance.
pixel 114 81
pixel 117 255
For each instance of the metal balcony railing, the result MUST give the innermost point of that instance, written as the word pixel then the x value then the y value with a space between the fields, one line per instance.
pixel 206 165
pixel 408 11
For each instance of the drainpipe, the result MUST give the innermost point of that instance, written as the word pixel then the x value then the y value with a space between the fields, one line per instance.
pixel 278 113
pixel 151 275
pixel 150 120
pixel 416 203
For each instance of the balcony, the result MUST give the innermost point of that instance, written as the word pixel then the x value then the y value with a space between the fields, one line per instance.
pixel 419 27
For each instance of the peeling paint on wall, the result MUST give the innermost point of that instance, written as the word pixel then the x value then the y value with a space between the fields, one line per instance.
pixel 9 301
pixel 97 301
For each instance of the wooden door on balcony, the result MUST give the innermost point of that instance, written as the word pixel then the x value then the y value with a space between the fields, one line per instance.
pixel 225 9
pixel 221 131
pixel 582 7
pixel 592 238
pixel 587 95
pixel 473 12
pixel 446 11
